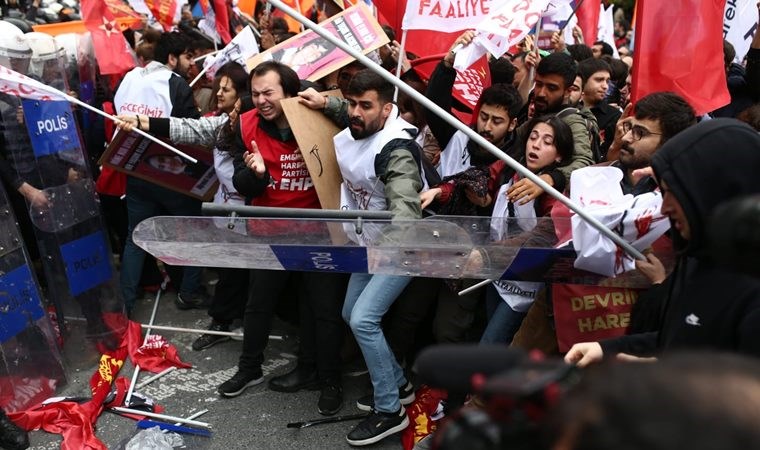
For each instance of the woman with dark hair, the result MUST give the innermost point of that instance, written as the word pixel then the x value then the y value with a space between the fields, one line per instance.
pixel 548 144
pixel 230 82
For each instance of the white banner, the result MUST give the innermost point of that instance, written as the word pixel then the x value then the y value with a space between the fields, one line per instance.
pixel 606 32
pixel 447 16
pixel 503 28
pixel 242 47
pixel 14 83
pixel 739 25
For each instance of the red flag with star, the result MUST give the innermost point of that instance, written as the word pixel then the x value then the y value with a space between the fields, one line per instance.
pixel 112 51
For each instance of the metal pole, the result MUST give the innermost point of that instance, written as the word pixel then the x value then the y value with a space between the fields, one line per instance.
pixel 140 412
pixel 145 341
pixel 212 209
pixel 453 121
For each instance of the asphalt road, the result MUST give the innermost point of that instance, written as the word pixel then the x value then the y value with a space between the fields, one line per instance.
pixel 255 420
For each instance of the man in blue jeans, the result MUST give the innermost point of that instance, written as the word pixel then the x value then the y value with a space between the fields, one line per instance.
pixel 378 160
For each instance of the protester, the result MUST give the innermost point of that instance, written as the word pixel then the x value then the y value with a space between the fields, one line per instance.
pixel 595 75
pixel 264 149
pixel 703 306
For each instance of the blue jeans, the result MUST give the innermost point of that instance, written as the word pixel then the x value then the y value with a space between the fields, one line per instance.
pixel 145 200
pixel 503 321
pixel 368 298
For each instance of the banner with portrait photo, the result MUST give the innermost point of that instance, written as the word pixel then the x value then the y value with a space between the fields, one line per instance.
pixel 313 57
pixel 139 157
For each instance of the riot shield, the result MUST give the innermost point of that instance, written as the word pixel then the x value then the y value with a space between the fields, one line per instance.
pixel 47 154
pixel 31 366
pixel 79 64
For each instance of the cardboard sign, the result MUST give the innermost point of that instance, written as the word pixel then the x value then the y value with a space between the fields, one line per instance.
pixel 589 313
pixel 314 133
pixel 136 156
pixel 312 57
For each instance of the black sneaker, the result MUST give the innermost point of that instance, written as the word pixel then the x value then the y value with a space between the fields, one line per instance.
pixel 197 299
pixel 239 383
pixel 378 426
pixel 209 340
pixel 11 436
pixel 405 396
pixel 330 399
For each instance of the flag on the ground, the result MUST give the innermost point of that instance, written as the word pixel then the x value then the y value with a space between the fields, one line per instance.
pixel 679 48
pixel 112 51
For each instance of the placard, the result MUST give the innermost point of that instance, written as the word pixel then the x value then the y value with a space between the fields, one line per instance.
pixel 134 155
pixel 313 57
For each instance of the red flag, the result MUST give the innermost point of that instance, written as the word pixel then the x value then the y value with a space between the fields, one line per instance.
pixel 588 19
pixel 306 7
pixel 164 11
pixel 111 49
pixel 222 19
pixel 121 10
pixel 679 48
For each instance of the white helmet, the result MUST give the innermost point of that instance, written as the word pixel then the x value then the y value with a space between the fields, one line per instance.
pixel 48 58
pixel 15 52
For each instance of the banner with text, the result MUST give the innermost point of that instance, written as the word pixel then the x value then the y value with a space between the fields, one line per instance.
pixel 139 157
pixel 584 313
pixel 740 19
pixel 445 15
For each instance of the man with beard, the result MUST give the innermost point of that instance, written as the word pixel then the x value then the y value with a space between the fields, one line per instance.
pixel 555 75
pixel 379 163
pixel 656 118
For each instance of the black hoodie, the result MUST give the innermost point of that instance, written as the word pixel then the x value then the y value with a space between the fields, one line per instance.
pixel 706 307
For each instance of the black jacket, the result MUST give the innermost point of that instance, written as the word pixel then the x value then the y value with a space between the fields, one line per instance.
pixel 704 306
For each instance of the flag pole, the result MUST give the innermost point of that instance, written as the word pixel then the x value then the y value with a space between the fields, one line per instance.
pixel 456 123
pixel 200 74
pixel 401 56
pixel 78 102
pixel 562 28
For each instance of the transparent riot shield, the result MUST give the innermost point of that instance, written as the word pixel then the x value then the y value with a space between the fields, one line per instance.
pixel 31 366
pixel 452 247
pixel 65 222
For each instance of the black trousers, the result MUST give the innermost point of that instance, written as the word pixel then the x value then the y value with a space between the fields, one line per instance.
pixel 230 295
pixel 320 298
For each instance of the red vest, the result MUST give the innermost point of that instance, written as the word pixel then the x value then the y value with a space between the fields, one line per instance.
pixel 290 185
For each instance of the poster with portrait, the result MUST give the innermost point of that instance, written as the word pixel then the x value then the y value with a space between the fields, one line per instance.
pixel 313 57
pixel 139 157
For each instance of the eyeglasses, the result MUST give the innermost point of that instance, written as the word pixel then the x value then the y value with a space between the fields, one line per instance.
pixel 637 131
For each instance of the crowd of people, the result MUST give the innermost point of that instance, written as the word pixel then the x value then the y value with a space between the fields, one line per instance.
pixel 554 111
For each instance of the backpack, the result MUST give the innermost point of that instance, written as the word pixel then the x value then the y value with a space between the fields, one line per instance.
pixel 592 127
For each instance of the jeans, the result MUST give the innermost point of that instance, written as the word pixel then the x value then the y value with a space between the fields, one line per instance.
pixel 368 298
pixel 503 321
pixel 146 200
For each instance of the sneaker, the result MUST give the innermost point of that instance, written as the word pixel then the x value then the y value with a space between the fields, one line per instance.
pixel 239 383
pixel 378 426
pixel 405 396
pixel 330 399
pixel 11 436
pixel 209 340
pixel 197 299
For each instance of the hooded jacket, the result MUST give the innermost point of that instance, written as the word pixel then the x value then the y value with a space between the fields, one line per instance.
pixel 705 306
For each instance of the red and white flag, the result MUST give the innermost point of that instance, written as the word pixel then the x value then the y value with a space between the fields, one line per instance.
pixel 14 83
pixel 588 19
pixel 696 70
pixel 112 51
pixel 222 20
pixel 444 15
pixel 503 28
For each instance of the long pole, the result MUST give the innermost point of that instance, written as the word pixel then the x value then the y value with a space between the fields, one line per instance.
pixel 78 102
pixel 453 121
pixel 145 341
